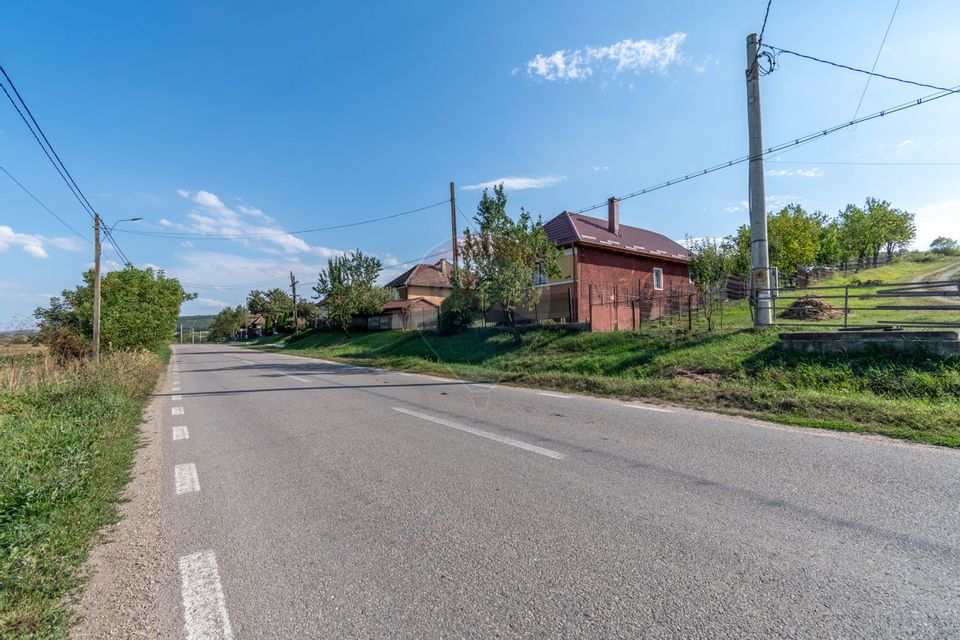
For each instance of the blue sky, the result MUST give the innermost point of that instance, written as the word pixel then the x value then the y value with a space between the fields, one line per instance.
pixel 260 118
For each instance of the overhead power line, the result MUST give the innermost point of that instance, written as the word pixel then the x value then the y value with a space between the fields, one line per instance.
pixel 854 163
pixel 247 236
pixel 876 59
pixel 778 51
pixel 780 147
pixel 58 164
pixel 48 209
pixel 766 15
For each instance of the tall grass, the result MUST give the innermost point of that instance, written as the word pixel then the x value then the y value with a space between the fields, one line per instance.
pixel 68 435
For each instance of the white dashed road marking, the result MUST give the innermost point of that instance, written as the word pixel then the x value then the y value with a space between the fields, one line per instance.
pixel 204 606
pixel 181 433
pixel 649 408
pixel 485 434
pixel 176 397
pixel 297 378
pixel 185 478
pixel 176 411
pixel 552 395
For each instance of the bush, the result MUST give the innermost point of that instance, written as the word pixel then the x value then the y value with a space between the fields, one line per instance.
pixel 457 312
pixel 65 345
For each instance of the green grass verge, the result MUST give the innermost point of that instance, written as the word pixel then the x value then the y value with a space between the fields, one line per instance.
pixel 67 443
pixel 740 370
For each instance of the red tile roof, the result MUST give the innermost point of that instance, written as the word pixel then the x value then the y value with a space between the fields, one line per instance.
pixel 424 275
pixel 575 228
pixel 402 304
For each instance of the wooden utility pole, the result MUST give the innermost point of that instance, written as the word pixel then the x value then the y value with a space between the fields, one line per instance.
pixel 293 286
pixel 759 254
pixel 453 227
pixel 96 287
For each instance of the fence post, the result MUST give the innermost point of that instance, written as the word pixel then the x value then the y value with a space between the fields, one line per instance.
pixel 689 313
pixel 616 308
pixel 846 304
pixel 590 305
pixel 570 304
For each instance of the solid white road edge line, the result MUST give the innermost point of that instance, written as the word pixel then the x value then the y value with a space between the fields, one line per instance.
pixel 551 395
pixel 649 408
pixel 176 411
pixel 181 433
pixel 485 434
pixel 185 478
pixel 204 607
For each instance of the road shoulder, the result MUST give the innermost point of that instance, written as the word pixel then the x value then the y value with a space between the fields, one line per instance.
pixel 129 569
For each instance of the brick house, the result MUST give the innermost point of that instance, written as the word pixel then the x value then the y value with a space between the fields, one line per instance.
pixel 430 282
pixel 615 275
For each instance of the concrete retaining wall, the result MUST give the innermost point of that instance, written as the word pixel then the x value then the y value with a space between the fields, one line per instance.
pixel 941 343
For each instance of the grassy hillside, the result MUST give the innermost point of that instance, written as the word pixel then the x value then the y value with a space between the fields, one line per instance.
pixel 743 371
pixel 68 435
pixel 197 323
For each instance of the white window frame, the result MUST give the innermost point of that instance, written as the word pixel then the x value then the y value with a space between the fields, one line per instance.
pixel 658 275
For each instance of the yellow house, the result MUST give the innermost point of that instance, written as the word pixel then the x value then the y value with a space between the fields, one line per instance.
pixel 430 282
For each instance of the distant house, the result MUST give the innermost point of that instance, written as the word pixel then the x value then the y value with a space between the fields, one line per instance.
pixel 410 313
pixel 430 282
pixel 615 275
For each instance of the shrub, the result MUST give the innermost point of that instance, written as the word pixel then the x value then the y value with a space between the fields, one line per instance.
pixel 457 312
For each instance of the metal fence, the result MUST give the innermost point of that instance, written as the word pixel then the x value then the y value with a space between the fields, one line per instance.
pixel 553 308
pixel 870 305
pixel 407 320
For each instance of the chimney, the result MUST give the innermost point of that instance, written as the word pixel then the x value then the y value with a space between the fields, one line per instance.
pixel 613 216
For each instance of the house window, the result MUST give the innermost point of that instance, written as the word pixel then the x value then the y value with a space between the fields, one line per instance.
pixel 540 276
pixel 658 278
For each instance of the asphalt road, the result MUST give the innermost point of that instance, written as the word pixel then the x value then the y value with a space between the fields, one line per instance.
pixel 319 500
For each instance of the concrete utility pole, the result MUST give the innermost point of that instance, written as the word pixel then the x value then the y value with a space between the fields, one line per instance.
pixel 759 255
pixel 453 226
pixel 293 285
pixel 96 287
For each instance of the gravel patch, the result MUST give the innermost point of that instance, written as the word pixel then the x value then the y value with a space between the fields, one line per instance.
pixel 129 569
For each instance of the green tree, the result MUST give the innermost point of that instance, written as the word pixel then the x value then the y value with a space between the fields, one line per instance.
pixel 709 268
pixel 501 257
pixel 830 247
pixel 794 238
pixel 347 287
pixel 279 306
pixel 855 234
pixel 945 246
pixel 227 323
pixel 737 251
pixel 138 310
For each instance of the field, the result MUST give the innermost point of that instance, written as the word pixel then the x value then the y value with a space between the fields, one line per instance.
pixel 736 370
pixel 68 435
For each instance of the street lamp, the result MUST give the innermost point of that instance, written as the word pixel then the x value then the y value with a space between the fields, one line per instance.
pixel 96 278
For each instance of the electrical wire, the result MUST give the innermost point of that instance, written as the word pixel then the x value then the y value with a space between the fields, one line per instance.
pixel 853 163
pixel 61 168
pixel 876 59
pixel 780 147
pixel 872 74
pixel 247 236
pixel 764 27
pixel 48 209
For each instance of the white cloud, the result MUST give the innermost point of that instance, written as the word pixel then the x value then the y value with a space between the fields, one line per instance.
pixel 187 244
pixel 247 225
pixel 908 145
pixel 516 183
pixel 805 173
pixel 210 302
pixel 34 244
pixel 601 168
pixel 610 61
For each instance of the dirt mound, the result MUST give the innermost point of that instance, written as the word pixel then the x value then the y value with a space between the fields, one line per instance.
pixel 811 308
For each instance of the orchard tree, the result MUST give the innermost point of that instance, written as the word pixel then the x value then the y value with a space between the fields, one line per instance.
pixel 794 238
pixel 737 251
pixel 347 288
pixel 945 246
pixel 279 306
pixel 708 268
pixel 502 256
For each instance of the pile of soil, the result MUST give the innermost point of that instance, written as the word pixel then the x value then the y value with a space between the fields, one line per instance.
pixel 811 308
